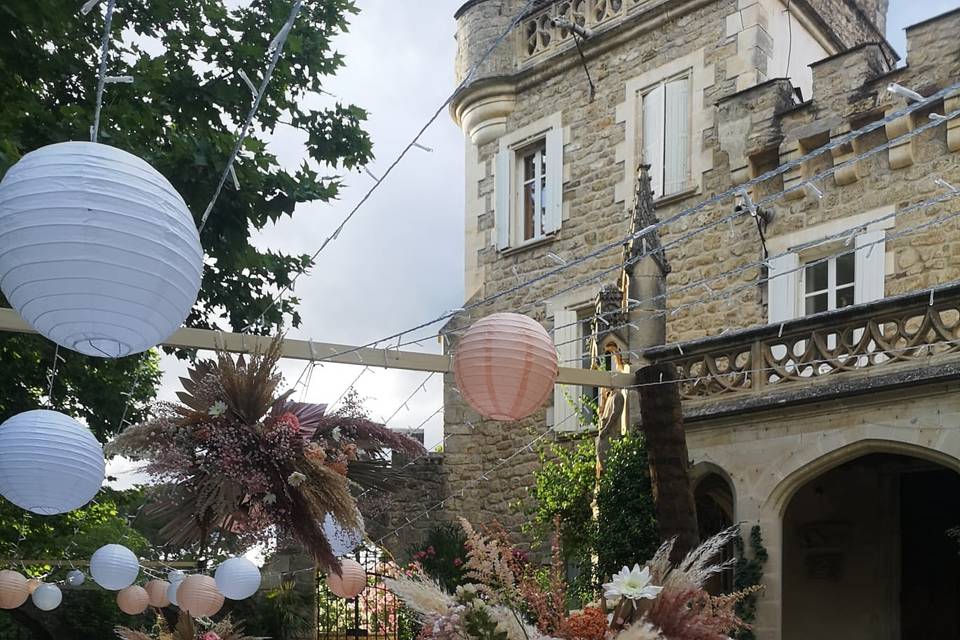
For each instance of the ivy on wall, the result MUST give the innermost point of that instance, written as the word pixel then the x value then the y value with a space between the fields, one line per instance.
pixel 748 572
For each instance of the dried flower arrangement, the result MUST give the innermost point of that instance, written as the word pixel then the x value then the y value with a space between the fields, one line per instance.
pixel 508 599
pixel 189 629
pixel 237 456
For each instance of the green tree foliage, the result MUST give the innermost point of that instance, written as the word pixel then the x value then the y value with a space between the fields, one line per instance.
pixel 625 530
pixel 627 523
pixel 182 114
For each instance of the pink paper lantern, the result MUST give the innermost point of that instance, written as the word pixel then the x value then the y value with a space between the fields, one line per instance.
pixel 505 366
pixel 157 593
pixel 351 581
pixel 13 589
pixel 198 595
pixel 133 600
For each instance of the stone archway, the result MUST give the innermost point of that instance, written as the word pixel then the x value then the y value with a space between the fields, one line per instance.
pixel 865 554
pixel 714 499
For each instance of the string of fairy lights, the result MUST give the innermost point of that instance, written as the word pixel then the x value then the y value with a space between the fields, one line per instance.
pixel 734 192
pixel 741 191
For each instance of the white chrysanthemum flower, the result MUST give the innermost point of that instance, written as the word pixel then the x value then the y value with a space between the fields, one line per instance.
pixel 269 498
pixel 217 409
pixel 296 479
pixel 632 584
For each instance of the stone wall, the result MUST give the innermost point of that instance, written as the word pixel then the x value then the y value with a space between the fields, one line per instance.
pixel 423 486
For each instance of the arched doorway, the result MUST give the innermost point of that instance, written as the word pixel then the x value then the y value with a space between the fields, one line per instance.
pixel 867 555
pixel 714 501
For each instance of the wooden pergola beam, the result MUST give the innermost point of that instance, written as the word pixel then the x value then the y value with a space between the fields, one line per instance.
pixel 208 340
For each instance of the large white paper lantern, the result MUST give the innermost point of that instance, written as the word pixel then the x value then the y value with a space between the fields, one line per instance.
pixel 237 578
pixel 49 462
pixel 47 597
pixel 98 251
pixel 114 567
pixel 342 539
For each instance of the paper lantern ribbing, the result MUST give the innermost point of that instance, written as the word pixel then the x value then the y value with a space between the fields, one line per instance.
pixel 351 582
pixel 49 462
pixel 76 578
pixel 172 592
pixel 505 366
pixel 157 593
pixel 237 578
pixel 13 589
pixel 342 540
pixel 98 251
pixel 114 567
pixel 133 600
pixel 198 596
pixel 47 597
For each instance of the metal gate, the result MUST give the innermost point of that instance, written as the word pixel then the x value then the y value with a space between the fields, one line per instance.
pixel 376 614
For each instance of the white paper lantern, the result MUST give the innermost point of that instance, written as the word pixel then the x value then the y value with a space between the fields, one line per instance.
pixel 237 578
pixel 114 567
pixel 172 592
pixel 175 575
pixel 98 251
pixel 47 597
pixel 49 462
pixel 342 540
pixel 76 578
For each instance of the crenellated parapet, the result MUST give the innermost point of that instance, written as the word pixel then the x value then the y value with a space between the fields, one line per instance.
pixel 850 90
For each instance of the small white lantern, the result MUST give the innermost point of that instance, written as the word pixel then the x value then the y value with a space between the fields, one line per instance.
pixel 76 578
pixel 49 462
pixel 98 251
pixel 47 597
pixel 342 540
pixel 114 567
pixel 175 575
pixel 172 592
pixel 237 578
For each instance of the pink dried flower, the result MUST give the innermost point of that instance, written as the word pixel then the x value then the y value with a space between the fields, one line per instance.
pixel 210 635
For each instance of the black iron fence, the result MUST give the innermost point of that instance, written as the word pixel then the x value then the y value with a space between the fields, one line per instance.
pixel 376 614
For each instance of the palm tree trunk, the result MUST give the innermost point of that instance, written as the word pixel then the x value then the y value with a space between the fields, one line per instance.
pixel 666 444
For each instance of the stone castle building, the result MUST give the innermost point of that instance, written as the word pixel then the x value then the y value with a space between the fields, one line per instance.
pixel 815 334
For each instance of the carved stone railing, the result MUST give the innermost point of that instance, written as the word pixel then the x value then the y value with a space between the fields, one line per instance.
pixel 540 35
pixel 826 350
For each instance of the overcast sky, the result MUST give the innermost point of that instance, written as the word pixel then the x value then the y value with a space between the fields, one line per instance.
pixel 400 261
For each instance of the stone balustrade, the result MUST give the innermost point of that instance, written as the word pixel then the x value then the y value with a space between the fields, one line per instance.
pixel 905 339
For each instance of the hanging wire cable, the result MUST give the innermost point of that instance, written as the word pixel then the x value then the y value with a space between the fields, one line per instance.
pixel 412 144
pixel 275 50
pixel 102 72
pixel 730 193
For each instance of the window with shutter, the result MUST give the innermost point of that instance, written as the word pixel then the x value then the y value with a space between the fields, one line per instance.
pixel 666 135
pixel 528 184
pixel 566 336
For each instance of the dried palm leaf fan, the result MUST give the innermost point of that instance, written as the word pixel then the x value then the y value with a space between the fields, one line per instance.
pixel 239 457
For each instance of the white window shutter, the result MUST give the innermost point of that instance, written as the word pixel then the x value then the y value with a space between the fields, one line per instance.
pixel 554 213
pixel 653 138
pixel 566 335
pixel 676 146
pixel 782 282
pixel 870 266
pixel 501 201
